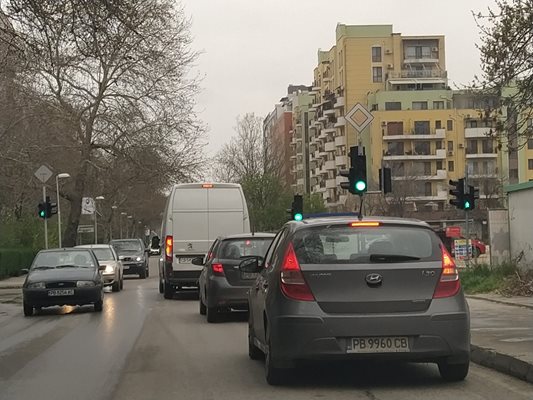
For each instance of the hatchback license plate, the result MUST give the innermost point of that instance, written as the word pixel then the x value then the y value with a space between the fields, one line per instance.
pixel 61 292
pixel 248 275
pixel 185 260
pixel 379 344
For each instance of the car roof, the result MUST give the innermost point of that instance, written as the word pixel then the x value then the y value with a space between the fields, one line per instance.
pixel 94 246
pixel 339 220
pixel 260 235
pixel 126 240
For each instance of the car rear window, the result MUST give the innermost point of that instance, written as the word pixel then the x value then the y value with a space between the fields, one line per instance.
pixel 103 254
pixel 235 249
pixel 345 244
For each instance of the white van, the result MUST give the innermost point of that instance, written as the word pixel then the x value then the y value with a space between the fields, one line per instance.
pixel 195 215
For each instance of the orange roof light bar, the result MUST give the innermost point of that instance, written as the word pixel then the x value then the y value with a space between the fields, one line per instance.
pixel 207 185
pixel 364 224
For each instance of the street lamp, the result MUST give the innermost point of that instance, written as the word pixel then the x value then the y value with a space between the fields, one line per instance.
pixel 64 175
pixel 113 208
pixel 120 222
pixel 95 218
pixel 128 227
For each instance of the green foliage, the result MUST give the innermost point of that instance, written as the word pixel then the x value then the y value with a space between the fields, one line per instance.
pixel 313 203
pixel 27 232
pixel 13 260
pixel 485 278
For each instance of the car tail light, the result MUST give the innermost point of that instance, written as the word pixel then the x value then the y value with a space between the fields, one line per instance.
pixel 364 224
pixel 169 248
pixel 449 283
pixel 218 269
pixel 293 284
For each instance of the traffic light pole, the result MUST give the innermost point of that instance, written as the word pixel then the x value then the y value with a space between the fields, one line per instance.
pixel 467 225
pixel 45 221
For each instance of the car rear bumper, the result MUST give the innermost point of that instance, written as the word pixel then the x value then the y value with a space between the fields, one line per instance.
pixel 183 278
pixel 40 298
pixel 432 335
pixel 221 294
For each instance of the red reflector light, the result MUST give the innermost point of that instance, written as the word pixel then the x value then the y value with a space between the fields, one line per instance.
pixel 449 283
pixel 364 224
pixel 207 185
pixel 218 269
pixel 169 248
pixel 293 284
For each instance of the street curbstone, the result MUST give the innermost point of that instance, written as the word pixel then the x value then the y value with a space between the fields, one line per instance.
pixel 502 363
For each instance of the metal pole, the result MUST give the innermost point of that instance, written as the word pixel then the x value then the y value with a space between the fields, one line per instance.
pixel 467 224
pixel 95 223
pixel 120 224
pixel 45 221
pixel 58 212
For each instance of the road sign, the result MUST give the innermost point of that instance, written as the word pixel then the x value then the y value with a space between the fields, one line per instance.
pixel 359 117
pixel 453 231
pixel 88 206
pixel 461 249
pixel 43 173
pixel 85 228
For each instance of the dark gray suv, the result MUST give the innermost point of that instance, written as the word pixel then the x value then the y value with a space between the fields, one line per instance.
pixel 222 285
pixel 133 255
pixel 338 288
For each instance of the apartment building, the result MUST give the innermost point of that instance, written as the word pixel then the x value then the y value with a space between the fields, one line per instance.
pixel 277 129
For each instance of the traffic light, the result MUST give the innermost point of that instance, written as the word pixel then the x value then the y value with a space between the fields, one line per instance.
pixel 297 210
pixel 459 193
pixel 471 197
pixel 385 180
pixel 357 182
pixel 41 210
pixel 46 209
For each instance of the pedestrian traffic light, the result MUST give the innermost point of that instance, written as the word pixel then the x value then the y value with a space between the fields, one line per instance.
pixel 41 210
pixel 385 180
pixel 471 197
pixel 297 210
pixel 357 182
pixel 459 194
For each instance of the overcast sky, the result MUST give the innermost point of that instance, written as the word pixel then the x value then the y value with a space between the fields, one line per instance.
pixel 253 49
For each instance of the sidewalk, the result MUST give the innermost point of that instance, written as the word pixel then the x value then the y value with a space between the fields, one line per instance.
pixel 501 329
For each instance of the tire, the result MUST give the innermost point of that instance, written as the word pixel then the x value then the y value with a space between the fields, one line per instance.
pixel 28 309
pixel 99 306
pixel 453 372
pixel 121 282
pixel 254 352
pixel 203 308
pixel 161 287
pixel 475 252
pixel 142 274
pixel 168 291
pixel 116 286
pixel 147 271
pixel 274 376
pixel 212 314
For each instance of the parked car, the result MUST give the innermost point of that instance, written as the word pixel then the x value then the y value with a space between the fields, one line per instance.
pixel 323 293
pixel 195 215
pixel 222 286
pixel 113 273
pixel 60 277
pixel 133 255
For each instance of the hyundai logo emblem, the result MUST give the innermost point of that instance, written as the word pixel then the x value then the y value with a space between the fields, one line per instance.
pixel 374 279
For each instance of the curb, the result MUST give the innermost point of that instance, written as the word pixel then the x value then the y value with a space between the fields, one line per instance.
pixel 502 363
pixel 507 303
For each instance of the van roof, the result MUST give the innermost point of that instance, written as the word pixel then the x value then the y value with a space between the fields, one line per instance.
pixel 207 185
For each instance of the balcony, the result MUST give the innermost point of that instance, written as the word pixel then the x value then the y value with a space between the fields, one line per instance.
pixel 340 179
pixel 330 165
pixel 339 102
pixel 482 155
pixel 340 141
pixel 418 74
pixel 322 118
pixel 421 60
pixel 300 182
pixel 439 134
pixel 330 146
pixel 299 167
pixel 293 156
pixel 331 111
pixel 439 176
pixel 341 121
pixel 471 133
pixel 331 184
pixel 341 161
pixel 437 155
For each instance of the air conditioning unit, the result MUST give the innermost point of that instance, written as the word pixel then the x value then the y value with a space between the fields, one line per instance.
pixel 434 49
pixel 383 123
pixel 388 51
pixel 461 146
pixel 450 153
pixel 390 66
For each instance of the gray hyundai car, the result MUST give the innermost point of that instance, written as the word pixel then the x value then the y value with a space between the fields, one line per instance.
pixel 337 288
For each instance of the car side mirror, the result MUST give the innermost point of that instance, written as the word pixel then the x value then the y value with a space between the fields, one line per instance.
pixel 252 265
pixel 24 271
pixel 198 261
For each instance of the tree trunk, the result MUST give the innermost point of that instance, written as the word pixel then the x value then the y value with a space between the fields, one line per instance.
pixel 73 220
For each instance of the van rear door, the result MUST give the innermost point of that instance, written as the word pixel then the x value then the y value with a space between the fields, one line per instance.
pixel 226 211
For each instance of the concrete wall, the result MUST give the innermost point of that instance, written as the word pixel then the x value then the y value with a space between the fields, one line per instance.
pixel 521 223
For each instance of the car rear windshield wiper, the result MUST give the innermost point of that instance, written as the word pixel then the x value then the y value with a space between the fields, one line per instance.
pixel 42 267
pixel 391 258
pixel 68 266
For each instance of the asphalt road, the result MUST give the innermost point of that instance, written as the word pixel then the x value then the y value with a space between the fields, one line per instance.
pixel 144 347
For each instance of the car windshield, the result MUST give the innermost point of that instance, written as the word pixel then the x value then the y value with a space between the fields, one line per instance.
pixel 235 249
pixel 341 244
pixel 63 259
pixel 130 246
pixel 103 254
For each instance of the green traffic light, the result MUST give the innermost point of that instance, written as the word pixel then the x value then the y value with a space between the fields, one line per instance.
pixel 467 205
pixel 298 217
pixel 360 186
pixel 41 214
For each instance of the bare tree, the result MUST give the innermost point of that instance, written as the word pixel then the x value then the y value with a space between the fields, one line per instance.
pixel 116 74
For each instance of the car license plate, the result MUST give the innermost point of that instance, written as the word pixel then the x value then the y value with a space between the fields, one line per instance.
pixel 248 275
pixel 185 260
pixel 61 292
pixel 379 344
pixel 126 267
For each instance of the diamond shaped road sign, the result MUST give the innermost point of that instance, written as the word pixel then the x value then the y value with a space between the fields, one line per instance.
pixel 359 117
pixel 43 173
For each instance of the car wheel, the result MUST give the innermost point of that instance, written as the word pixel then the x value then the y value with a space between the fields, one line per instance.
pixel 147 271
pixel 142 274
pixel 116 286
pixel 203 308
pixel 168 291
pixel 274 375
pixel 475 252
pixel 28 309
pixel 254 352
pixel 453 372
pixel 99 306
pixel 122 282
pixel 161 286
pixel 212 314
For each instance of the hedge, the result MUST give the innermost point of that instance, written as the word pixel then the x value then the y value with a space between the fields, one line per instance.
pixel 13 260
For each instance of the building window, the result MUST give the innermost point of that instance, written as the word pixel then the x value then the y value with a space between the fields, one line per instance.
pixel 427 189
pixel 471 123
pixel 427 168
pixel 449 125
pixel 450 145
pixel 439 164
pixel 395 128
pixel 487 146
pixel 377 74
pixel 438 145
pixel 423 148
pixel 438 124
pixel 393 105
pixel 530 163
pixel 450 166
pixel 376 54
pixel 420 105
pixel 421 127
pixel 438 105
pixel 471 147
pixel 395 149
pixel 530 144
